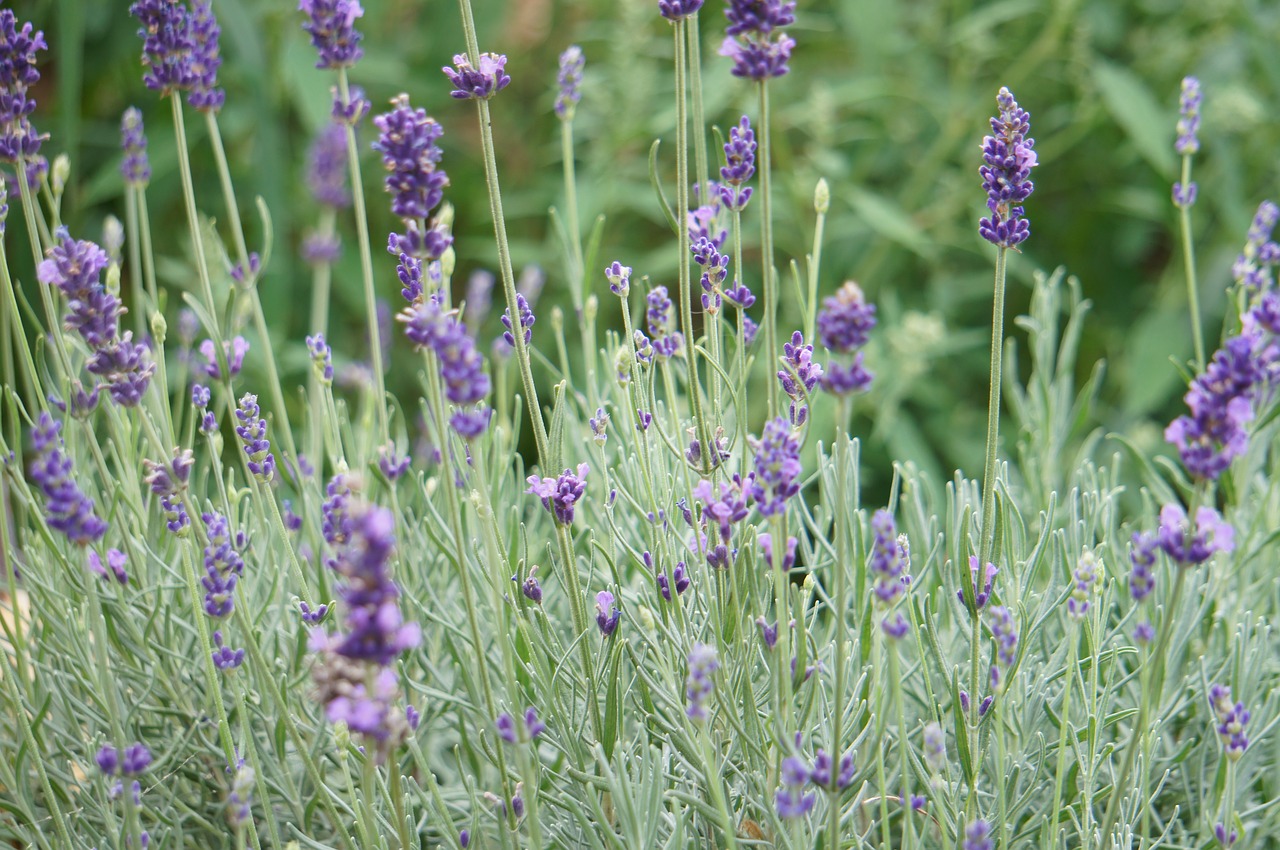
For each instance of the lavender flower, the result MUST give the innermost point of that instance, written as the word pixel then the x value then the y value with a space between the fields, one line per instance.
pixel 407 141
pixel 749 330
pixel 205 61
pixel 75 267
pixel 777 467
pixel 845 319
pixel 506 727
pixel 1005 633
pixel 753 40
pixel 1232 718
pixel 658 320
pixel 740 164
pixel 1008 156
pixel 888 561
pixel 1188 117
pixel 759 58
pixel 1084 585
pixel 619 277
pixel 527 320
pixel 768 632
pixel 977 836
pixel 224 657
pixel 18 48
pixel 1142 556
pixel 700 684
pixel 327 167
pixel 321 358
pixel 67 508
pixel 981 593
pixel 1190 546
pixel 233 350
pixel 477 82
pixel 559 495
pixel 135 168
pixel 531 589
pixel 730 508
pixel 1250 268
pixel 1221 405
pixel 679 579
pixel 766 547
pixel 703 220
pixel 351 110
pixel 791 801
pixel 126 368
pixel 252 432
pixel 223 567
pixel 167 44
pixel 599 425
pixel 799 376
pixel 479 298
pixel 607 614
pixel 116 561
pixel 715 268
pixel 392 465
pixel 568 80
pixel 239 801
pixel 461 365
pixel 331 25
pixel 935 749
pixel 675 10
pixel 1225 838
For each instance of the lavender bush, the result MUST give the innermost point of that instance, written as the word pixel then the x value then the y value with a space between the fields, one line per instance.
pixel 255 602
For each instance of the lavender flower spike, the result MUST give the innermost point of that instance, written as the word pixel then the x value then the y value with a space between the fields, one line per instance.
pixel 67 508
pixel 1190 545
pixel 407 141
pixel 607 614
pixel 568 80
pixel 205 59
pixel 674 10
pixel 477 82
pixel 699 685
pixel 135 168
pixel 1008 156
pixel 18 48
pixel 327 167
pixel 167 43
pixel 740 164
pixel 331 25
pixel 252 431
pixel 1188 117
pixel 559 495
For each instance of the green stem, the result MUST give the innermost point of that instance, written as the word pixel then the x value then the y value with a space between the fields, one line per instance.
pixel 19 336
pixel 29 213
pixel 1189 261
pixel 717 790
pixel 578 610
pixel 135 258
pixel 986 540
pixel 366 267
pixel 1049 838
pixel 701 167
pixel 206 652
pixel 840 608
pixel 770 319
pixel 895 681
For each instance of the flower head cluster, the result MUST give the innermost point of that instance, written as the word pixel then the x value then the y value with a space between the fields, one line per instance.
pixel 730 508
pixel 1084 585
pixel 477 82
pixel 461 364
pixel 1187 143
pixel 888 564
pixel 1232 718
pixel 977 836
pixel 799 376
pixel 678 581
pixel 1008 155
pixel 169 482
pixel 167 44
pixel 67 508
pixel 331 25
pixel 666 342
pixel 135 168
pixel 327 167
pixel 607 614
pixel 223 568
pixel 704 220
pixel 715 268
pixel 252 432
pixel 1252 268
pixel 355 675
pixel 75 266
pixel 981 586
pixel 753 39
pixel 700 684
pixel 791 800
pixel 527 319
pixel 134 761
pixel 1005 632
pixel 1221 405
pixel 321 358
pixel 1142 557
pixel 568 80
pixel 1188 545
pixel 205 59
pixel 777 467
pixel 114 568
pixel 739 166
pixel 619 277
pixel 844 324
pixel 675 10
pixel 233 350
pixel 18 49
pixel 788 555
pixel 560 494
pixel 407 141
pixel 506 726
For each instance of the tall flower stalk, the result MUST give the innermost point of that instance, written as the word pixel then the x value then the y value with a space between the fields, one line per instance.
pixel 1184 196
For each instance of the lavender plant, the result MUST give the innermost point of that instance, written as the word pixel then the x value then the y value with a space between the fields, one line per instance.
pixel 678 620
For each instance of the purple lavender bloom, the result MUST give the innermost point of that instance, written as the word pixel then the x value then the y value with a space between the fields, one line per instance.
pixel 461 365
pixel 568 80
pixel 479 298
pixel 135 168
pixel 116 561
pixel 1005 633
pixel 749 330
pixel 1221 405
pixel 1142 556
pixel 205 60
pixel 167 479
pixel 739 295
pixel 126 368
pixel 763 16
pixel 679 578
pixel 980 593
pixel 233 350
pixel 820 773
pixel 700 684
pixel 351 111
pixel 135 759
pixel 67 508
pixel 768 632
pixel 320 249
pixel 392 465
pixel 766 547
pixel 845 319
pixel 644 348
pixel 464 838
pixel 252 432
pixel 704 221
pixel 1190 546
pixel 327 167
pixel 108 759
pixel 224 657
pixel 675 10
pixel 321 358
pixel 730 508
pixel 1008 156
pixel 777 467
pixel 791 800
pixel 426 241
pixel 759 58
pixel 292 521
pixel 1144 632
pixel 799 376
pixel 599 425
pixel 223 567
pixel 1084 584
pixel 75 266
pixel 1184 196
pixel 531 589
pixel 506 727
pixel 477 83
pixel 1232 718
pixel 658 313
pixel 18 47
pixel 167 44
pixel 977 836
pixel 559 495
pixel 1188 117
pixel 312 617
pixel 331 25
pixel 840 379
pixel 1250 268
pixel 1225 839
pixel 407 141
pixel 619 277
pixel 527 320
pixel 335 512
pixel 532 725
pixel 888 560
pixel 607 614
pixel 740 165
pixel 845 777
pixel 715 268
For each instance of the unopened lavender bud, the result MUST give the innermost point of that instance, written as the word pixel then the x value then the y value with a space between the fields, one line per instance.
pixel 645 616
pixel 112 237
pixel 159 328
pixel 59 173
pixel 822 197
